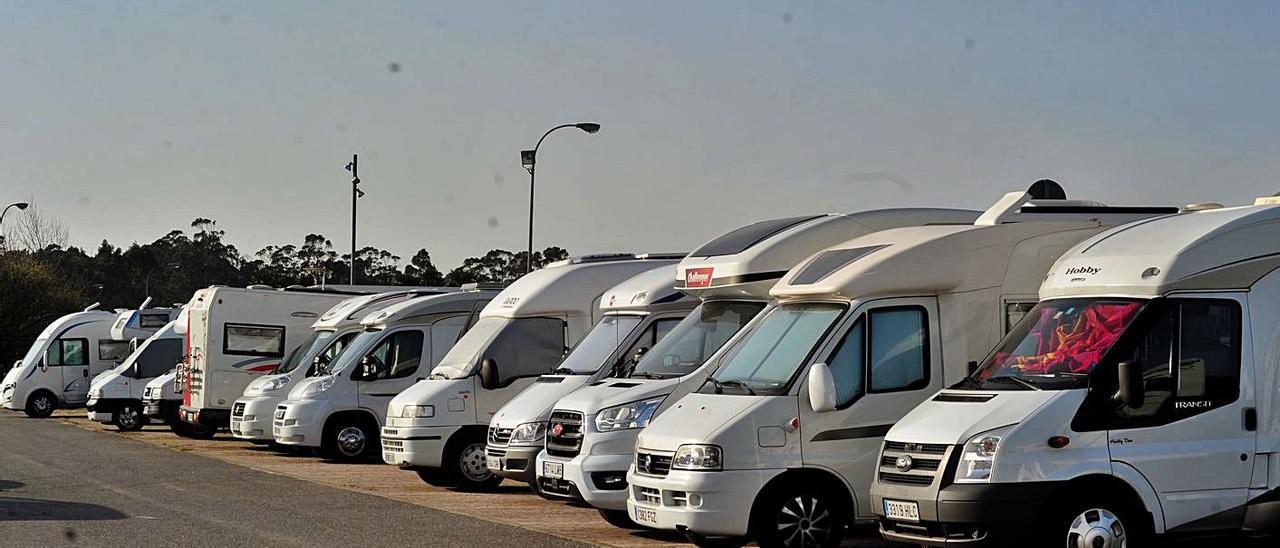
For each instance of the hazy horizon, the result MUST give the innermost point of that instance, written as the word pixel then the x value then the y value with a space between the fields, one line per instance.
pixel 130 120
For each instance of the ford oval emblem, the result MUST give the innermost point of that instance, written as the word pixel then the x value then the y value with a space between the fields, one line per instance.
pixel 904 463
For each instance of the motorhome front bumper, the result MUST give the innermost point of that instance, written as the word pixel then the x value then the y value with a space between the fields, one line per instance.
pixel 214 418
pixel 598 480
pixel 251 418
pixel 103 410
pixel 415 446
pixel 165 410
pixel 513 461
pixel 716 504
pixel 971 513
pixel 299 422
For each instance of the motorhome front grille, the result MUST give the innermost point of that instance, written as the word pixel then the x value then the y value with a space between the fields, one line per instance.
pixel 649 495
pixel 392 445
pixel 564 434
pixel 905 463
pixel 499 436
pixel 237 409
pixel 497 453
pixel 652 464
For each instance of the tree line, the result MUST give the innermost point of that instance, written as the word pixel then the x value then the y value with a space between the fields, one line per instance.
pixel 43 278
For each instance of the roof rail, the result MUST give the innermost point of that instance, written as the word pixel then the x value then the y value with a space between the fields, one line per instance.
pixel 259 286
pixel 477 286
pixel 659 256
pixel 325 290
pixel 602 258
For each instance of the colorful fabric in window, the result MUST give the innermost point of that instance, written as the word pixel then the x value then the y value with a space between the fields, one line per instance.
pixel 1072 347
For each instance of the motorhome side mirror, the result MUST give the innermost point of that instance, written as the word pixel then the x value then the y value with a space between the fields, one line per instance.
pixel 640 352
pixel 488 374
pixel 370 368
pixel 822 388
pixel 317 367
pixel 1130 391
pixel 135 371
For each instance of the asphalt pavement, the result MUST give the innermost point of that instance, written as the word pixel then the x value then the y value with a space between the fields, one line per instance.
pixel 66 486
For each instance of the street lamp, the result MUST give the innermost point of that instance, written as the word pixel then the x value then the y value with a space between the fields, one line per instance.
pixel 20 205
pixel 146 280
pixel 528 158
pixel 356 194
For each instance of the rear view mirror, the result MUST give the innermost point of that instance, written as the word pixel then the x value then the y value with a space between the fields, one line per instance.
pixel 489 374
pixel 1130 389
pixel 640 352
pixel 822 388
pixel 370 368
pixel 317 367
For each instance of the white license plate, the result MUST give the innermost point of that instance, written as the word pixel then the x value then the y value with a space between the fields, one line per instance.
pixel 646 516
pixel 553 470
pixel 279 413
pixel 493 463
pixel 901 510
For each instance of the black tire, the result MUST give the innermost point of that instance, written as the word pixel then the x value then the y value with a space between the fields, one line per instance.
pixel 129 418
pixel 41 404
pixel 619 518
pixel 435 477
pixel 1085 521
pixel 787 514
pixel 351 440
pixel 464 461
pixel 192 431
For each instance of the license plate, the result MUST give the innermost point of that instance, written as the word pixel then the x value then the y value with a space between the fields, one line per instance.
pixel 279 413
pixel 553 470
pixel 493 463
pixel 646 516
pixel 901 510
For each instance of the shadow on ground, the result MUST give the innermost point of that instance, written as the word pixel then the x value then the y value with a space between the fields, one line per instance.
pixel 19 509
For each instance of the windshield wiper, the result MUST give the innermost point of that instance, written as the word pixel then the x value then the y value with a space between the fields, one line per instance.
pixel 1015 380
pixel 565 371
pixel 647 375
pixel 731 382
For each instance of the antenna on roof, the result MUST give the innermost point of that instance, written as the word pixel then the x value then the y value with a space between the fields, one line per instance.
pixel 145 303
pixel 1046 189
pixel 93 306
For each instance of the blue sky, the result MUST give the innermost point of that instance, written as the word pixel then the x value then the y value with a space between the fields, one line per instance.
pixel 128 120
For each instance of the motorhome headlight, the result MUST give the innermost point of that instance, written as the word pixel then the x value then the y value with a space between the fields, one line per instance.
pixel 979 456
pixel 273 384
pixel 629 415
pixel 317 389
pixel 697 457
pixel 528 433
pixel 417 411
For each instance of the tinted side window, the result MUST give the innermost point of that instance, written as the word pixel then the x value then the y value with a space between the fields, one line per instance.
pixel 159 357
pixel 898 356
pixel 253 340
pixel 528 347
pixel 846 365
pixel 113 351
pixel 75 352
pixel 400 354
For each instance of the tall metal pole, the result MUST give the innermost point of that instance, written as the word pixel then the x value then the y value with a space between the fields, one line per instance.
pixel 529 158
pixel 528 260
pixel 355 194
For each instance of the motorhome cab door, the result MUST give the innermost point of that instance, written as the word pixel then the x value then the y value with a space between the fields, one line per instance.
pixel 70 358
pixel 885 360
pixel 1191 437
pixel 403 357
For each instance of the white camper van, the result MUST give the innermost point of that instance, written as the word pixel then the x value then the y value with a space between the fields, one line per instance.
pixel 592 431
pixel 115 397
pixel 636 314
pixel 251 414
pixel 437 427
pixel 69 352
pixel 1139 397
pixel 236 334
pixel 341 411
pixel 780 441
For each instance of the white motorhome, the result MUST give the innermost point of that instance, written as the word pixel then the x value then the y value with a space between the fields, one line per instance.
pixel 75 348
pixel 237 334
pixel 592 431
pixel 161 399
pixel 340 411
pixel 1139 397
pixel 637 313
pixel 437 427
pixel 251 414
pixel 780 442
pixel 115 397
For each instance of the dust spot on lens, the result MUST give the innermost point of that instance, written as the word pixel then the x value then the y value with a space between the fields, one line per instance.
pixel 84 201
pixel 394 67
pixel 493 222
pixel 970 43
pixel 498 179
pixel 787 18
pixel 70 534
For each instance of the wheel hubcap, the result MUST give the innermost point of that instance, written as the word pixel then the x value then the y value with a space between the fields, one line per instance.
pixel 1096 528
pixel 472 463
pixel 804 521
pixel 43 404
pixel 351 441
pixel 128 417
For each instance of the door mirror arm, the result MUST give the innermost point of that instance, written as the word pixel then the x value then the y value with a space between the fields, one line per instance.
pixel 1130 390
pixel 822 388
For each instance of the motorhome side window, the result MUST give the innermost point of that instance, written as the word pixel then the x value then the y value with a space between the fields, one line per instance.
pixel 70 352
pixel 898 353
pixel 253 340
pixel 113 351
pixel 1014 312
pixel 158 357
pixel 846 364
pixel 153 321
pixel 1189 355
pixel 398 355
pixel 528 347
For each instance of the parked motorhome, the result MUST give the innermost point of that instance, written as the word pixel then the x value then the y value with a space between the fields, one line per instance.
pixel 237 334
pixel 71 351
pixel 636 315
pixel 592 431
pixel 1137 398
pixel 161 399
pixel 341 410
pixel 437 427
pixel 779 443
pixel 115 397
pixel 251 414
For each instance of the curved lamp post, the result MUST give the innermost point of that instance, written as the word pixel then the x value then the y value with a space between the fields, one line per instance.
pixel 20 205
pixel 529 158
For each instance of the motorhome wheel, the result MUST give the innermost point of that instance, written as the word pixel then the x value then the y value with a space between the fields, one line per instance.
pixel 129 418
pixel 796 517
pixel 618 518
pixel 350 440
pixel 1096 526
pixel 470 473
pixel 41 405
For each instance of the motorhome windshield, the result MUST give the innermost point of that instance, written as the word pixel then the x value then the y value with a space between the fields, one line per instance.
pixel 305 351
pixel 696 338
pixel 519 347
pixel 356 349
pixel 599 344
pixel 154 358
pixel 764 359
pixel 1055 345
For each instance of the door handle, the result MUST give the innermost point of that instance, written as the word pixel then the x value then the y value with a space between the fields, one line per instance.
pixel 1250 419
pixel 86 373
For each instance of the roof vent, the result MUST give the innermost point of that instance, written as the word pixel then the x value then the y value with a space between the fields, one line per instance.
pixel 1202 207
pixel 1267 200
pixel 259 286
pixel 483 285
pixel 663 256
pixel 1046 189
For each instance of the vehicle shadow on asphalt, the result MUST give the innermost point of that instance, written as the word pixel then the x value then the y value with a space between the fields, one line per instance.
pixel 20 509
